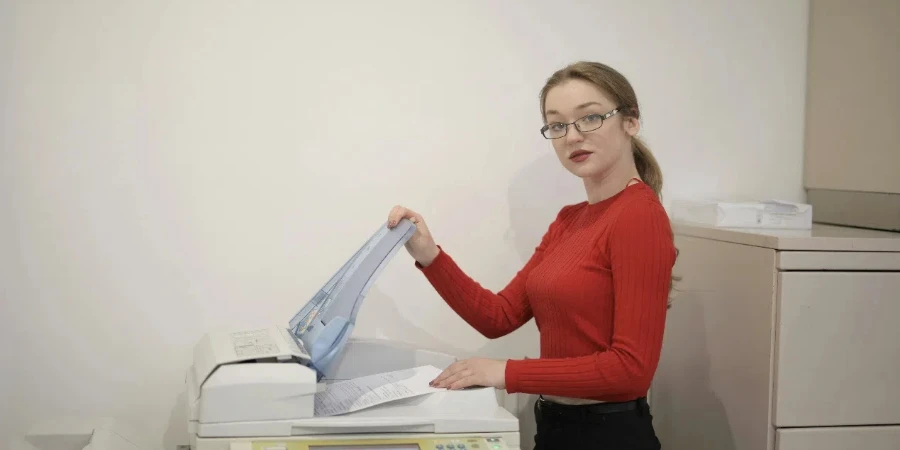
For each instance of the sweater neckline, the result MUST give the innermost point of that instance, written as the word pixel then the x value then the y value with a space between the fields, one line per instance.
pixel 605 203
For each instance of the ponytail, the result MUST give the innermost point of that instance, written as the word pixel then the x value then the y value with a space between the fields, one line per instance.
pixel 651 174
pixel 646 164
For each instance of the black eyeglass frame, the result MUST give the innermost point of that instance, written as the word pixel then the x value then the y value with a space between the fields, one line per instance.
pixel 603 118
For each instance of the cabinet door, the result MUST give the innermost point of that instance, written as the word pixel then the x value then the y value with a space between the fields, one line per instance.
pixel 843 38
pixel 838 349
pixel 840 438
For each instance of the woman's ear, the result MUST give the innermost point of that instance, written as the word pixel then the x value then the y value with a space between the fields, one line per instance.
pixel 631 125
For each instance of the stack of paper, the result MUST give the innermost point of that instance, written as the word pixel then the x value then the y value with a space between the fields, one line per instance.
pixel 733 214
pixel 364 392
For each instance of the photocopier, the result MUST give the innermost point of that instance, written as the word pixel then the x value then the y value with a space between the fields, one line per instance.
pixel 255 389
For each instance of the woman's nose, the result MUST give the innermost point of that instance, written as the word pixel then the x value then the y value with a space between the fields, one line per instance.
pixel 573 135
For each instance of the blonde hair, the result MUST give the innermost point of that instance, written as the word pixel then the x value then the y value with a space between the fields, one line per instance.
pixel 622 93
pixel 619 89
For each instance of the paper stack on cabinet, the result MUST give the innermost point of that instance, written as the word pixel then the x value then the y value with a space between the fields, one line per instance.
pixel 742 214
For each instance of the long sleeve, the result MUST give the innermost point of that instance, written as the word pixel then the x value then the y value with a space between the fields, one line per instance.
pixel 492 314
pixel 641 256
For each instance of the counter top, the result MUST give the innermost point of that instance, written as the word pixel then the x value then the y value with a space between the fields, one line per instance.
pixel 820 238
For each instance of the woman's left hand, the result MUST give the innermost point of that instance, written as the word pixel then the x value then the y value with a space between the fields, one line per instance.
pixel 473 372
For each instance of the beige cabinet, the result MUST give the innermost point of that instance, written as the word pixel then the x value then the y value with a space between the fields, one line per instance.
pixel 852 141
pixel 782 340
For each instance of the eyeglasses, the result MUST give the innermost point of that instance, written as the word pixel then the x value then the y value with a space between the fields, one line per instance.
pixel 587 123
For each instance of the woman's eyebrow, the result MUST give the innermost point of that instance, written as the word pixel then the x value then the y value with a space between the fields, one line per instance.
pixel 581 106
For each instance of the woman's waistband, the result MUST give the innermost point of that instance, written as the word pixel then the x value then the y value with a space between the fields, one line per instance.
pixel 548 406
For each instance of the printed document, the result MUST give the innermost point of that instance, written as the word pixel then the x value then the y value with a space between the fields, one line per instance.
pixel 364 392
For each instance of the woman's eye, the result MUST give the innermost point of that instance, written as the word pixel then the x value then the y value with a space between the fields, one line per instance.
pixel 557 126
pixel 592 118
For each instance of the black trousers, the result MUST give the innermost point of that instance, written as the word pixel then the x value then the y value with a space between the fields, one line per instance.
pixel 604 426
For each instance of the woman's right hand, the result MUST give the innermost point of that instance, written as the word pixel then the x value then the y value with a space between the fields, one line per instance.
pixel 421 245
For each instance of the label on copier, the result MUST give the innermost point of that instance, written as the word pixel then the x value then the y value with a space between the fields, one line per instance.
pixel 253 343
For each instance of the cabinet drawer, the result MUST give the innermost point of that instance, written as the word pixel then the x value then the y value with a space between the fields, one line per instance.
pixel 837 349
pixel 841 438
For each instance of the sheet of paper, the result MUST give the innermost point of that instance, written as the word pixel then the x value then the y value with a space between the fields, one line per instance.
pixel 364 392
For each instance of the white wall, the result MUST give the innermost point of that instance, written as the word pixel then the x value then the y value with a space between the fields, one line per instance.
pixel 170 167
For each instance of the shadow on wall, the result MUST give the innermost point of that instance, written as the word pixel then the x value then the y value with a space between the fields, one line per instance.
pixel 700 413
pixel 176 433
pixel 535 197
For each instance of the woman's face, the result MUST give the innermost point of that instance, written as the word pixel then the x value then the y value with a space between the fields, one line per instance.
pixel 588 154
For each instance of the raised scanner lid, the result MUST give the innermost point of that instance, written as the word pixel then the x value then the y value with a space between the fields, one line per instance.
pixel 326 321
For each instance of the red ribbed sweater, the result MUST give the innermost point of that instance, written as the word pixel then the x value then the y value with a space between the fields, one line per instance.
pixel 597 287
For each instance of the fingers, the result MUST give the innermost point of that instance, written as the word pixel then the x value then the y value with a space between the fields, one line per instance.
pixel 450 374
pixel 458 375
pixel 399 213
pixel 464 382
pixel 395 215
pixel 455 378
pixel 471 372
pixel 450 370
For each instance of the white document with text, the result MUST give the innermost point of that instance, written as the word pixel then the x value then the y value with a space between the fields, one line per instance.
pixel 364 392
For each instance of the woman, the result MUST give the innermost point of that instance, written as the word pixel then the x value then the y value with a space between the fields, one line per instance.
pixel 597 285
